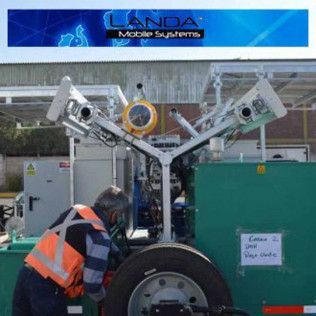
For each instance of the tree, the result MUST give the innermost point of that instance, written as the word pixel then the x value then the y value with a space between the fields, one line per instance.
pixel 32 142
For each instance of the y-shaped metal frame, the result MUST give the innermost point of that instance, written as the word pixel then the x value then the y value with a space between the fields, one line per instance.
pixel 76 113
pixel 165 158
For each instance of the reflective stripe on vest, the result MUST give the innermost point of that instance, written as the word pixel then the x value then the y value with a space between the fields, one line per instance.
pixel 53 257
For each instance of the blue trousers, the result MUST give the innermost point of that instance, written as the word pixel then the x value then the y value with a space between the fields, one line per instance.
pixel 36 296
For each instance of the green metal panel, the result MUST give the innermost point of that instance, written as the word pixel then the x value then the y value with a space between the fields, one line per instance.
pixel 10 263
pixel 232 199
pixel 11 260
pixel 26 244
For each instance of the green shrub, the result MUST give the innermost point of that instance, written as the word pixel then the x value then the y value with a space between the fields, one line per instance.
pixel 14 183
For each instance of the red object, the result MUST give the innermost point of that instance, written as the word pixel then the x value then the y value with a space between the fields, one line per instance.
pixel 101 311
pixel 282 310
pixel 108 278
pixel 64 165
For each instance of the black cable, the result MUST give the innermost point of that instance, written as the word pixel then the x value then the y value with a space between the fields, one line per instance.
pixel 219 310
pixel 123 233
pixel 96 138
pixel 149 176
pixel 154 208
pixel 235 140
pixel 230 136
pixel 105 141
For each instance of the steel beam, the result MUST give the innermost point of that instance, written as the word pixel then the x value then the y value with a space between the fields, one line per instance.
pixel 133 140
pixel 50 91
pixel 263 143
pixel 204 137
pixel 285 84
pixel 183 122
pixel 72 164
pixel 267 67
pixel 306 98
pixel 166 203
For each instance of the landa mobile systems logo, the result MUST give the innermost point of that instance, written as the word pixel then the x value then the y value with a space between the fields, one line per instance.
pixel 166 27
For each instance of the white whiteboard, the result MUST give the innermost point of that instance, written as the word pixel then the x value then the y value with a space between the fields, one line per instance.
pixel 261 249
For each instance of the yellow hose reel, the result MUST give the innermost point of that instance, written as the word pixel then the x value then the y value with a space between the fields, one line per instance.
pixel 140 117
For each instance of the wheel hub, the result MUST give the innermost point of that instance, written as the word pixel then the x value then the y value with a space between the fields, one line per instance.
pixel 170 309
pixel 163 288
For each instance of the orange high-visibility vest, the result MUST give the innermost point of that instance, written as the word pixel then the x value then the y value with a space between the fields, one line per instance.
pixel 61 251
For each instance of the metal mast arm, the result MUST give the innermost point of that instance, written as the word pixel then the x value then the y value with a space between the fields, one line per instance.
pixel 259 106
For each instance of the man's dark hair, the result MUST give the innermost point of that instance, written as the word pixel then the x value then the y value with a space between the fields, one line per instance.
pixel 112 199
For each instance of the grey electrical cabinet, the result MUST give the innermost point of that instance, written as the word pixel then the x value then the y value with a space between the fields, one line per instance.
pixel 47 183
pixel 46 194
pixel 94 170
pixel 91 177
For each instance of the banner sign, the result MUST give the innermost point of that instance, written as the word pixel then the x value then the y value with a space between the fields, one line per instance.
pixel 59 31
pixel 158 28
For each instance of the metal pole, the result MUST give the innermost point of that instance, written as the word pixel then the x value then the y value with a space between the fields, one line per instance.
pixel 261 75
pixel 71 173
pixel 111 108
pixel 114 170
pixel 183 122
pixel 218 90
pixel 263 142
pixel 166 201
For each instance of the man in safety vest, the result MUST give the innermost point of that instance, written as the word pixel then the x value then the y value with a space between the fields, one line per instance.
pixel 70 258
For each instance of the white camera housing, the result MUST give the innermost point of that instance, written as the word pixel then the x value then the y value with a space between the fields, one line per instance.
pixel 65 93
pixel 258 106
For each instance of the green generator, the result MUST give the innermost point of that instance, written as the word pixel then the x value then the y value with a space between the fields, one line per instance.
pixel 11 260
pixel 257 222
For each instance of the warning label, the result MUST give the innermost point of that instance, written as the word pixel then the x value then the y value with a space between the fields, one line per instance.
pixel 261 169
pixel 31 169
pixel 64 166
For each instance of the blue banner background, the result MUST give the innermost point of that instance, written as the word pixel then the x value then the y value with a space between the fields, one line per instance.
pixel 223 28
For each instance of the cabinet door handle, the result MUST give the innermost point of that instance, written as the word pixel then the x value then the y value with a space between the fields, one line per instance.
pixel 31 200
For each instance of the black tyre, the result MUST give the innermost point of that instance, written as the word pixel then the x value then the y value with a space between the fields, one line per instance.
pixel 163 272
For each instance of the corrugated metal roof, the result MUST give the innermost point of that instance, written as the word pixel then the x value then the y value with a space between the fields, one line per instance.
pixel 294 82
pixel 164 82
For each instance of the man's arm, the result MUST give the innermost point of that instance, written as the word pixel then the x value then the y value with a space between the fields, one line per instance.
pixel 98 246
